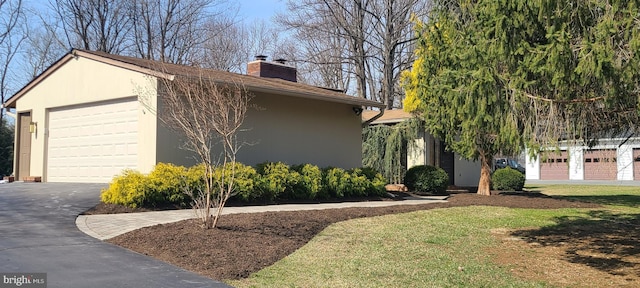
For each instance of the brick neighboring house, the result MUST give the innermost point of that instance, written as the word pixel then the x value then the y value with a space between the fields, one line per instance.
pixel 82 119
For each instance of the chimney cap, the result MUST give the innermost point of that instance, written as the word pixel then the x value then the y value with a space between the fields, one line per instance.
pixel 261 57
pixel 281 60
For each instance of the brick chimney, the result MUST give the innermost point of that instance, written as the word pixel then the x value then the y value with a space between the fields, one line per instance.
pixel 278 69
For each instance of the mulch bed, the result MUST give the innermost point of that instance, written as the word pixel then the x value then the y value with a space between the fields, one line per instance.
pixel 246 243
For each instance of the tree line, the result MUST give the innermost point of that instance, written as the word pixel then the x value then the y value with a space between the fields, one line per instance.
pixel 358 46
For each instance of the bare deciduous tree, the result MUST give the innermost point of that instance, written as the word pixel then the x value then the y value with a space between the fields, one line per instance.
pixel 44 44
pixel 377 35
pixel 101 25
pixel 392 43
pixel 169 31
pixel 345 19
pixel 230 45
pixel 11 37
pixel 209 114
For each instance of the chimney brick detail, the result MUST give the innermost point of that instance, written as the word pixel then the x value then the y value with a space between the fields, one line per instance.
pixel 272 70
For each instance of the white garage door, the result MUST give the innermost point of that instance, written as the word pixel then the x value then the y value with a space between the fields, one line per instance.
pixel 92 143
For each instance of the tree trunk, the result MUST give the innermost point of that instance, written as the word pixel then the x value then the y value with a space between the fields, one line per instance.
pixel 484 187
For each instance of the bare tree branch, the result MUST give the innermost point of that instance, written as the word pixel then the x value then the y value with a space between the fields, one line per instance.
pixel 209 115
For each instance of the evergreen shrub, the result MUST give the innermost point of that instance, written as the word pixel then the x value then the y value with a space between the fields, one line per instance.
pixel 335 182
pixel 507 179
pixel 196 178
pixel 377 182
pixel 166 185
pixel 310 181
pixel 128 189
pixel 276 180
pixel 243 180
pixel 425 178
pixel 357 183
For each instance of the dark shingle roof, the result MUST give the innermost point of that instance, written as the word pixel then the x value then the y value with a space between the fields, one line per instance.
pixel 156 68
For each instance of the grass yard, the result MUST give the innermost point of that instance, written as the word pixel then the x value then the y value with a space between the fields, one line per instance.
pixel 477 246
pixel 625 198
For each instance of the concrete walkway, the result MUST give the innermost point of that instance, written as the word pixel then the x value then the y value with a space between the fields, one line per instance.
pixel 111 225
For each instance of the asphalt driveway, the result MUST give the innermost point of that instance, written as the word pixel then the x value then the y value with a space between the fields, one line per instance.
pixel 38 235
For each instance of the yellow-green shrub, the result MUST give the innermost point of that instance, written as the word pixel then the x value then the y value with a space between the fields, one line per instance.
pixel 335 182
pixel 195 178
pixel 166 185
pixel 275 178
pixel 357 183
pixel 377 182
pixel 243 181
pixel 128 189
pixel 309 183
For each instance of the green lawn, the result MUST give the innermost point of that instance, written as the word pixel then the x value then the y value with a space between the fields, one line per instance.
pixel 426 248
pixel 626 198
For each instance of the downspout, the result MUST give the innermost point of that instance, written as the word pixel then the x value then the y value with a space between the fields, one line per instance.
pixel 374 118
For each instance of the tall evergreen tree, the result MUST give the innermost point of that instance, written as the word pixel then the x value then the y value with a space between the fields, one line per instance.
pixel 492 75
pixel 6 147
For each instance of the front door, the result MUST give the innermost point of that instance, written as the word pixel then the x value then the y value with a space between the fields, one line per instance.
pixel 447 159
pixel 24 146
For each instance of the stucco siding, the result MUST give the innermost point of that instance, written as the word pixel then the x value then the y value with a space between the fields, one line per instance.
pixel 81 81
pixel 287 129
pixel 297 131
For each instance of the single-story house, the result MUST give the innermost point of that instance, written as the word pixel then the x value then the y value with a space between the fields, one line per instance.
pixel 82 119
pixel 610 159
pixel 430 151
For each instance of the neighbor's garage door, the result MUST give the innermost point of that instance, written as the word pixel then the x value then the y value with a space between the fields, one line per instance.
pixel 636 164
pixel 600 165
pixel 554 166
pixel 92 143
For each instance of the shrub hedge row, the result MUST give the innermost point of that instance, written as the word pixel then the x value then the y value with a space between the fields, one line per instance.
pixel 167 183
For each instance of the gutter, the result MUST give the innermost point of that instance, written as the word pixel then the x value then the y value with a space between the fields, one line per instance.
pixel 374 118
pixel 6 111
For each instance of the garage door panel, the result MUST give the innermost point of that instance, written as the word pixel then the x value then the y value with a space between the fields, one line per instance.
pixel 600 165
pixel 92 143
pixel 555 166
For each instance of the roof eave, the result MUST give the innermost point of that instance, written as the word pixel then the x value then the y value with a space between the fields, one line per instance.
pixel 316 96
pixel 73 54
pixel 11 102
pixel 121 64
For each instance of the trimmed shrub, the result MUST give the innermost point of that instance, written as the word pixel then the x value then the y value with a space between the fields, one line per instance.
pixel 377 182
pixel 166 184
pixel 243 181
pixel 425 178
pixel 309 183
pixel 128 189
pixel 507 179
pixel 275 178
pixel 195 178
pixel 358 184
pixel 336 182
